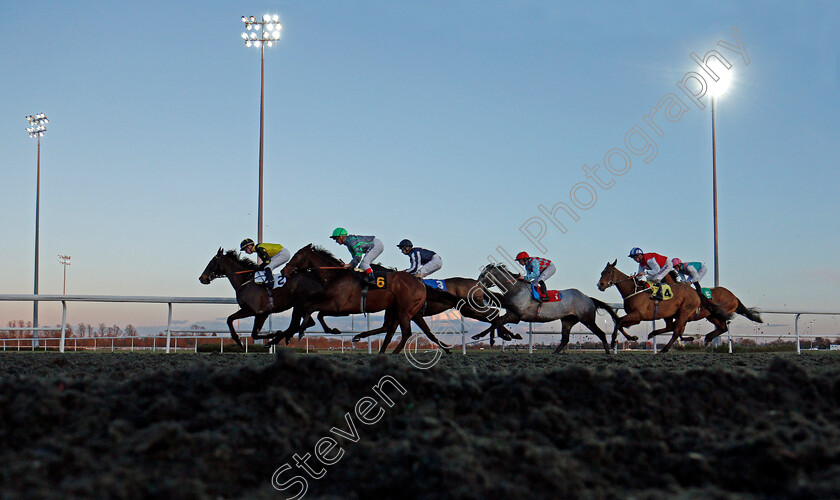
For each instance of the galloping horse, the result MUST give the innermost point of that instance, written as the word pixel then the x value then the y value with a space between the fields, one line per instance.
pixel 685 305
pixel 574 308
pixel 470 298
pixel 402 294
pixel 252 297
pixel 727 301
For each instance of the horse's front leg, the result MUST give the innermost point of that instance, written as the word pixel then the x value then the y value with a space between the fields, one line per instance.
pixel 242 313
pixel 327 329
pixel 259 321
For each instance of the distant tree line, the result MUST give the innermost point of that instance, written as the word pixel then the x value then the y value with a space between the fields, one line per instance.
pixel 82 330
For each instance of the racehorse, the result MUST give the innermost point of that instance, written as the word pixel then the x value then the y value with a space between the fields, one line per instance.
pixel 574 308
pixel 727 301
pixel 684 306
pixel 469 298
pixel 253 298
pixel 344 293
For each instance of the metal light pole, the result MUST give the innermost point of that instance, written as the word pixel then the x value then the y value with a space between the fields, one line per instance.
pixel 714 192
pixel 64 260
pixel 37 127
pixel 261 33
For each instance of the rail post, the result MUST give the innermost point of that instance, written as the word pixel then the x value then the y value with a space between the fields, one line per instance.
pixel 169 328
pixel 370 340
pixel 63 324
pixel 530 338
pixel 796 327
pixel 463 337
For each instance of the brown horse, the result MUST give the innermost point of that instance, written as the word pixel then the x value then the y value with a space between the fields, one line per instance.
pixel 470 299
pixel 638 306
pixel 727 301
pixel 253 299
pixel 401 295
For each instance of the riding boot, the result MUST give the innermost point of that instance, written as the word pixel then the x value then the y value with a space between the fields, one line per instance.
pixel 697 286
pixel 269 278
pixel 544 290
pixel 657 295
pixel 369 276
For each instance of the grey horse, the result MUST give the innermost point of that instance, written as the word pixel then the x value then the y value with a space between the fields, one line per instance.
pixel 575 307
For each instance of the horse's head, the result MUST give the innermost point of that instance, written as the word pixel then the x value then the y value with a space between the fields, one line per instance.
pixel 213 270
pixel 300 260
pixel 498 275
pixel 609 276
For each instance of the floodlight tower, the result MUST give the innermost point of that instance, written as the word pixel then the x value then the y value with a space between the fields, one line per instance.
pixel 717 90
pixel 64 260
pixel 261 33
pixel 37 127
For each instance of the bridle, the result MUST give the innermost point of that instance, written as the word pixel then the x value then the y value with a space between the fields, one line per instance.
pixel 636 289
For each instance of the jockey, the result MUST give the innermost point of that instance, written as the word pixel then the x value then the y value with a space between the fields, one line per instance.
pixel 423 262
pixel 537 270
pixel 653 267
pixel 363 249
pixel 689 272
pixel 271 256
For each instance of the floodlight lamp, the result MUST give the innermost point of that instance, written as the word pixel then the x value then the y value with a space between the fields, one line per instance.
pixel 253 19
pixel 277 35
pixel 244 19
pixel 244 36
pixel 257 43
pixel 266 18
pixel 276 18
pixel 269 43
pixel 720 87
pixel 248 43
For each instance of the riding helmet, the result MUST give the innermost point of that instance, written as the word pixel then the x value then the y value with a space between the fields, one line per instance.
pixel 405 243
pixel 676 262
pixel 522 255
pixel 339 231
pixel 245 243
pixel 635 251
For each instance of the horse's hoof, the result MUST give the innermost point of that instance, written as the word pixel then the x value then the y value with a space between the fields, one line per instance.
pixel 335 331
pixel 633 338
pixel 517 336
pixel 476 337
pixel 355 339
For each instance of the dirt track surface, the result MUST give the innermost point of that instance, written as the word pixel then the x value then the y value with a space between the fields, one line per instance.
pixel 496 425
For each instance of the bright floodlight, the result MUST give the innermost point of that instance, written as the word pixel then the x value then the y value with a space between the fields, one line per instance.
pixel 261 31
pixel 37 125
pixel 719 87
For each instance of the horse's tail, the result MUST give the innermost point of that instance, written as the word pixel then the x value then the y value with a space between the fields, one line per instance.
pixel 603 305
pixel 750 313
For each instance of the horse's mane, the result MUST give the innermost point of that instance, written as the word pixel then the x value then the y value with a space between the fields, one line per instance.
pixel 323 252
pixel 242 260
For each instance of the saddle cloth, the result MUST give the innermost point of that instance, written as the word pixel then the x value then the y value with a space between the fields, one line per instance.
pixel 667 294
pixel 553 295
pixel 437 284
pixel 279 279
pixel 707 292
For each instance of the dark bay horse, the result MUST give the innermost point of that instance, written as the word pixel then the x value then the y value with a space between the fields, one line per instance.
pixel 252 297
pixel 344 293
pixel 727 301
pixel 685 305
pixel 576 307
pixel 470 299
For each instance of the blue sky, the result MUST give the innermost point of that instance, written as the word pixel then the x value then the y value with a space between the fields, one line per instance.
pixel 448 123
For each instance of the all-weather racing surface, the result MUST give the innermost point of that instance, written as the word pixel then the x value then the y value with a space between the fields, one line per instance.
pixel 492 425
